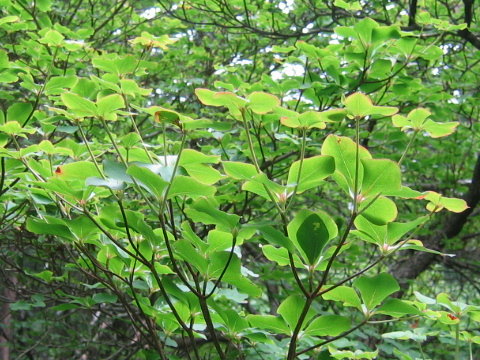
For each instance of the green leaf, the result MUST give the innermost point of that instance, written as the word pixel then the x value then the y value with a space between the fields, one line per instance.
pixel 104 298
pixel 77 170
pixel 149 180
pixel 230 100
pixel 438 202
pixel 398 308
pixel 375 289
pixel 262 103
pixel 163 269
pixel 207 97
pixel 109 104
pixel 187 186
pixel 14 128
pixel 417 117
pixel 357 354
pixel 380 177
pixel 424 299
pixel 190 235
pixel 188 253
pixel 82 227
pixel 203 173
pixel 310 119
pixel 48 148
pixel 8 19
pixel 395 231
pixel 280 256
pixel 43 227
pixel 79 105
pixel 57 84
pixel 109 183
pixel 238 170
pixel 269 322
pixel 130 140
pixel 233 274
pixel 310 232
pixel 328 325
pixel 370 232
pixel 345 294
pixel 405 335
pixel 116 65
pixel 417 245
pixel 275 237
pixel 205 211
pixel 52 37
pixel 343 150
pixel 380 212
pixel 314 170
pixel 44 275
pixel 258 187
pixel 219 241
pixel 291 308
pixel 436 130
pixel 364 30
pixel 19 112
pixel 116 170
pixel 190 156
pixel 358 105
pixel 385 33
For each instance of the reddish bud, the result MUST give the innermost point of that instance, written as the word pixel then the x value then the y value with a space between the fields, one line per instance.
pixel 452 317
pixel 58 171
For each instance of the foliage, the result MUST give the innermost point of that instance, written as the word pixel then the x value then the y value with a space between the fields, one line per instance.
pixel 235 179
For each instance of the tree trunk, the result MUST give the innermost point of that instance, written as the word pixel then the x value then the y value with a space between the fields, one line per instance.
pixel 409 269
pixel 5 315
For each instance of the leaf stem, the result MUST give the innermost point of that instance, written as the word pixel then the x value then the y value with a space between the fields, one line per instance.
pixel 332 339
pixel 408 147
pixel 137 187
pixel 136 128
pixel 457 341
pixel 357 164
pixel 421 350
pixel 234 242
pixel 302 157
pixel 272 198
pixel 82 133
